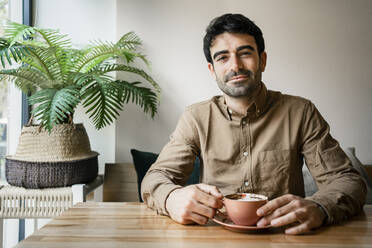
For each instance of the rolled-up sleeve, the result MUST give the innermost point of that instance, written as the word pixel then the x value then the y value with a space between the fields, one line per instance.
pixel 342 191
pixel 173 166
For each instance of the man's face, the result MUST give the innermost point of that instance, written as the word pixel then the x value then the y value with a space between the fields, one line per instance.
pixel 237 66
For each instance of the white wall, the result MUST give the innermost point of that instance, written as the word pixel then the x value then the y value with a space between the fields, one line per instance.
pixel 83 21
pixel 317 49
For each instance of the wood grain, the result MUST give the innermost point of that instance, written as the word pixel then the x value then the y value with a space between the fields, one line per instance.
pixel 124 224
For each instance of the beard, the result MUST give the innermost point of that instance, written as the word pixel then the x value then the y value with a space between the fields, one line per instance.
pixel 242 88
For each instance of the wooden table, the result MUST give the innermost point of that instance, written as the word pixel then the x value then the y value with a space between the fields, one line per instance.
pixel 93 224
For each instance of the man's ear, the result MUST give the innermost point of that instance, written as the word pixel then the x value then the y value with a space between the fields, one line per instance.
pixel 263 58
pixel 211 70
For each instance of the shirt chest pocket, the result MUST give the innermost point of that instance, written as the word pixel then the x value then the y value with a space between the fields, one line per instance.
pixel 273 172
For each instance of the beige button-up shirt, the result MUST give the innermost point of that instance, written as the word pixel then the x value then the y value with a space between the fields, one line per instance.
pixel 261 152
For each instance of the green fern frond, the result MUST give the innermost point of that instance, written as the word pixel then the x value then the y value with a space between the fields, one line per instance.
pixel 43 59
pixel 16 32
pixel 43 40
pixel 54 106
pixel 106 68
pixel 129 41
pixel 141 96
pixel 15 52
pixel 34 43
pixel 95 55
pixel 102 52
pixel 53 38
pixel 71 56
pixel 26 79
pixel 103 101
pixel 79 78
pixel 59 45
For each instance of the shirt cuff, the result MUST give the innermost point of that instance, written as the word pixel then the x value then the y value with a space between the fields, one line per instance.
pixel 322 205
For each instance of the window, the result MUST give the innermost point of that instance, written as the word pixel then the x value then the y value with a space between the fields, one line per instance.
pixel 14 110
pixel 4 15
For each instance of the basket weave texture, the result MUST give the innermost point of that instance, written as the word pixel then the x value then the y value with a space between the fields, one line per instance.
pixel 66 142
pixel 57 159
pixel 38 175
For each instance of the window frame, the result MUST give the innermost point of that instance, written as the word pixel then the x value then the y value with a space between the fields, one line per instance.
pixel 27 20
pixel 18 115
pixel 26 108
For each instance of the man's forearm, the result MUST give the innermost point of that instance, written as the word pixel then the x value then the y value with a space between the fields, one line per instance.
pixel 343 198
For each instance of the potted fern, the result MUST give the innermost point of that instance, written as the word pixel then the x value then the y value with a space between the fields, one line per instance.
pixel 57 77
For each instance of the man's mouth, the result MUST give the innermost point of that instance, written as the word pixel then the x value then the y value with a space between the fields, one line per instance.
pixel 237 78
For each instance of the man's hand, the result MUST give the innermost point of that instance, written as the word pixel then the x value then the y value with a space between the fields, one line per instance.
pixel 290 209
pixel 194 203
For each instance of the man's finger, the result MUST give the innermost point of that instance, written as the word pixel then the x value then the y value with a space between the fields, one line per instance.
pixel 208 199
pixel 299 229
pixel 203 210
pixel 197 218
pixel 210 189
pixel 274 204
pixel 289 218
pixel 283 210
pixel 266 220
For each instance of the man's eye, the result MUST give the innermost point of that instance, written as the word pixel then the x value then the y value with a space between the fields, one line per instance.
pixel 245 54
pixel 221 58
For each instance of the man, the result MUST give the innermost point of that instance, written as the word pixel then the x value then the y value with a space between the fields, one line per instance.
pixel 254 140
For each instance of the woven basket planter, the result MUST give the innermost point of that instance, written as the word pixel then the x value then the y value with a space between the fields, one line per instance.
pixel 58 159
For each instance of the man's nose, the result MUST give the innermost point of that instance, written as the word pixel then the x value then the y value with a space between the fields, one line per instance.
pixel 236 63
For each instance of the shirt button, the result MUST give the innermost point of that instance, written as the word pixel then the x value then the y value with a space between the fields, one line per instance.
pixel 244 122
pixel 245 153
pixel 246 184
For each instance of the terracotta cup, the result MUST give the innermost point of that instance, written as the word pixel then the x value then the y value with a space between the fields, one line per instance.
pixel 242 207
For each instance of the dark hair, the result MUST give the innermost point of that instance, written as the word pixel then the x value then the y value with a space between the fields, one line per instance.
pixel 231 23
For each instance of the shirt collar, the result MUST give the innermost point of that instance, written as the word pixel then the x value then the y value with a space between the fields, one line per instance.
pixel 220 100
pixel 257 106
pixel 260 100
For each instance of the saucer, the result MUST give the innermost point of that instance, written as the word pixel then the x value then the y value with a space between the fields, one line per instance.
pixel 222 219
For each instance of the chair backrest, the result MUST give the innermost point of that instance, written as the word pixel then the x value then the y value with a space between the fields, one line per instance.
pixel 120 183
pixel 143 160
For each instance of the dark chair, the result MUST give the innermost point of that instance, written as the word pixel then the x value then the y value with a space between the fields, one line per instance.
pixel 143 160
